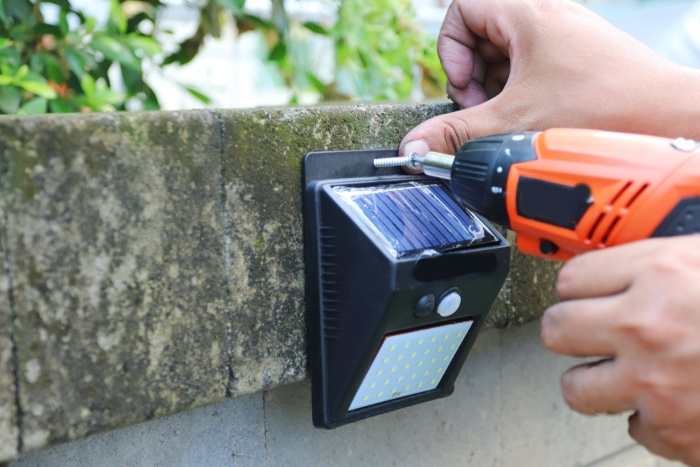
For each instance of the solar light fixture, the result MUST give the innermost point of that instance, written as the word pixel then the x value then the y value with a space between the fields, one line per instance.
pixel 400 278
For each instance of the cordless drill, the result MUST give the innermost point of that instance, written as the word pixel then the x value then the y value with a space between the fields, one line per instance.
pixel 567 191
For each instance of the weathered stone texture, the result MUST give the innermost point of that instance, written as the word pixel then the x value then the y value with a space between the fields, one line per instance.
pixel 157 259
pixel 263 155
pixel 528 291
pixel 9 430
pixel 116 250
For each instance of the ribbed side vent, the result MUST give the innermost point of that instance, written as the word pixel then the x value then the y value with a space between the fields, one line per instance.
pixel 329 276
pixel 601 217
pixel 610 229
pixel 470 170
pixel 620 193
pixel 591 232
pixel 637 195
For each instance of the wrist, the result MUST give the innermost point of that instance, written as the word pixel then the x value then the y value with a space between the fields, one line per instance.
pixel 663 99
pixel 681 107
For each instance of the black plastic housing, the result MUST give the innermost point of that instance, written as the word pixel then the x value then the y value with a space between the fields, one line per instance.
pixel 358 293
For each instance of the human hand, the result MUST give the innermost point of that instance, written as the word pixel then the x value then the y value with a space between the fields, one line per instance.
pixel 638 306
pixel 519 65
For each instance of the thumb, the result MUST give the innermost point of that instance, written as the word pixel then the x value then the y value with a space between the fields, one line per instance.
pixel 447 133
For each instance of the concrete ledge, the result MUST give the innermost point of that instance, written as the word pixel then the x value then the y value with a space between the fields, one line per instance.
pixel 154 260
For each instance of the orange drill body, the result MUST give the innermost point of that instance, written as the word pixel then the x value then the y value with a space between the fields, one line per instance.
pixel 635 182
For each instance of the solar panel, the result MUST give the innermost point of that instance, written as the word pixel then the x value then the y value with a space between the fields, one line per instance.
pixel 414 217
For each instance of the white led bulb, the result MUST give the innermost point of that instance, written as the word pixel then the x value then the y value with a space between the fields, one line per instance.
pixel 410 363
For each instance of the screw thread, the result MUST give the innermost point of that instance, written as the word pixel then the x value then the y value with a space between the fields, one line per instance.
pixel 392 162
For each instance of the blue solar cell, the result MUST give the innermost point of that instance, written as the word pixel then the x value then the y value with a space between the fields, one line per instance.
pixel 415 217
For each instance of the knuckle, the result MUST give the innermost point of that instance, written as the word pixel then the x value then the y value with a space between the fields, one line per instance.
pixel 659 399
pixel 549 331
pixel 566 276
pixel 456 132
pixel 677 437
pixel 650 327
pixel 572 395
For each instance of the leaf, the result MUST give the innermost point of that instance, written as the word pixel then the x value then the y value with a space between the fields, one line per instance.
pixel 317 84
pixel 316 28
pixel 133 80
pixel 147 45
pixel 63 23
pixel 43 29
pixel 114 50
pixel 278 52
pixel 87 82
pixel 64 4
pixel 151 101
pixel 22 72
pixel 117 16
pixel 10 98
pixel 37 88
pixel 34 106
pixel 106 96
pixel 5 80
pixel 246 22
pixel 90 24
pixel 19 9
pixel 199 96
pixel 234 5
pixel 9 60
pixel 77 60
pixel 54 68
pixel 59 106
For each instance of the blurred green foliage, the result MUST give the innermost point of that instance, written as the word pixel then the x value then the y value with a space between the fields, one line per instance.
pixel 62 66
pixel 67 64
pixel 378 46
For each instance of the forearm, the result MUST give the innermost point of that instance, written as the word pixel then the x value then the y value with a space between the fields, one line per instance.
pixel 677 105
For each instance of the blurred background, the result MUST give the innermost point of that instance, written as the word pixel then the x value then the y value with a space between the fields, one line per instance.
pixel 105 55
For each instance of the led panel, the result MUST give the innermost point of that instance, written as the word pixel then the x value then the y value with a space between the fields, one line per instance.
pixel 410 363
pixel 414 217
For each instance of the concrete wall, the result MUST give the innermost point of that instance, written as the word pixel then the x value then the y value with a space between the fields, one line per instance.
pixel 152 263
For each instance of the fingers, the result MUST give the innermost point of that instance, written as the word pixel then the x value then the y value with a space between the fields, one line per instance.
pixel 447 133
pixel 471 96
pixel 596 388
pixel 603 272
pixel 455 46
pixel 582 328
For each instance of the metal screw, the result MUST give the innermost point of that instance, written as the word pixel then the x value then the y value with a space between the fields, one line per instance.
pixel 393 162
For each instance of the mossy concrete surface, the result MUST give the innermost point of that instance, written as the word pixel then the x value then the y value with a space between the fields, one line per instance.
pixel 116 251
pixel 9 429
pixel 157 260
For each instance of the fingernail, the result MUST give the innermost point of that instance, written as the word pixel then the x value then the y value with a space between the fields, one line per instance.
pixel 418 146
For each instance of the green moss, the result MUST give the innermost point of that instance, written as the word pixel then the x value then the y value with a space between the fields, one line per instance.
pixel 19 181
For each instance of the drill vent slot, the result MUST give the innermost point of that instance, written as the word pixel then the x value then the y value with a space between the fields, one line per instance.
pixel 610 230
pixel 620 193
pixel 591 232
pixel 637 195
pixel 611 205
